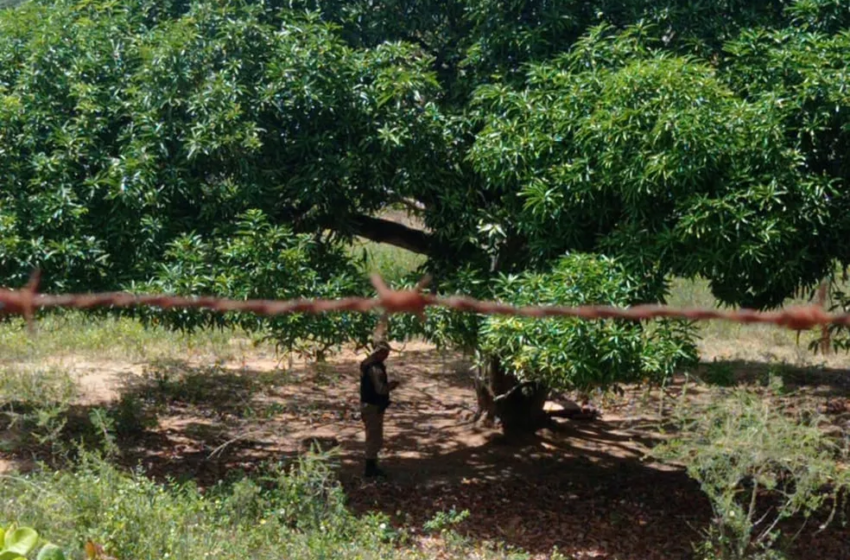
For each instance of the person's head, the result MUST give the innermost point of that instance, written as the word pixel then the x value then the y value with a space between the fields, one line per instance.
pixel 381 351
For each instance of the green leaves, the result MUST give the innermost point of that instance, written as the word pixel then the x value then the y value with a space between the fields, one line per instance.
pixel 123 131
pixel 571 353
pixel 623 149
pixel 50 552
pixel 18 542
pixel 254 259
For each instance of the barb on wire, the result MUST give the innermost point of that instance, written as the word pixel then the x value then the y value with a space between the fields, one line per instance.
pixel 24 302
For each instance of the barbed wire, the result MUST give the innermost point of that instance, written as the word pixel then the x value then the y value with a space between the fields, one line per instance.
pixel 415 301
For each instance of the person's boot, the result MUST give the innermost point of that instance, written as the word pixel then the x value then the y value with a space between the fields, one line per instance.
pixel 372 470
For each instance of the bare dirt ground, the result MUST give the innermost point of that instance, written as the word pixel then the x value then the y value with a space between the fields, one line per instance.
pixel 585 488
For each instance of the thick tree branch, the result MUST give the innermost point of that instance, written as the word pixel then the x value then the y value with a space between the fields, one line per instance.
pixel 393 233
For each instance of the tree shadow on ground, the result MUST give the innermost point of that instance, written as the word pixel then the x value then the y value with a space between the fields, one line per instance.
pixel 568 488
pixel 584 487
pixel 818 381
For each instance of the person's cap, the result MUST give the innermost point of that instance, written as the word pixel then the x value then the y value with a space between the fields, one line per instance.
pixel 382 345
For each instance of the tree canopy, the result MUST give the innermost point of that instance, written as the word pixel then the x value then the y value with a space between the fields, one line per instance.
pixel 125 127
pixel 235 147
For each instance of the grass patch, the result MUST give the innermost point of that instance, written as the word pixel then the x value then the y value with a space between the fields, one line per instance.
pixel 35 385
pixel 82 335
pixel 394 264
pixel 296 512
pixel 724 340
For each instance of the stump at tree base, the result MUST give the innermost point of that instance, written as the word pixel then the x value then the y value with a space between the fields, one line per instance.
pixel 521 410
pixel 517 405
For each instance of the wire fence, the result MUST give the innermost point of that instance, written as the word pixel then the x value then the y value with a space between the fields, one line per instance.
pixel 415 301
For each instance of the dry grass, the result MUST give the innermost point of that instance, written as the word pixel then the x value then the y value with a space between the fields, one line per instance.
pixel 726 341
pixel 217 405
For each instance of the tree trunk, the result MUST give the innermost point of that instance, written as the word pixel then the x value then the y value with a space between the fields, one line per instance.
pixel 518 406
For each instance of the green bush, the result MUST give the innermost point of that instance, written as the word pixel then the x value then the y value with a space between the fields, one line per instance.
pixel 572 353
pixel 720 374
pixel 745 451
pixel 297 514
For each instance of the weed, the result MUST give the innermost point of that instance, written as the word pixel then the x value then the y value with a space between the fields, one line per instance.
pixel 35 403
pixel 105 427
pixel 744 451
pixel 443 520
pixel 296 513
pixel 130 417
pixel 720 374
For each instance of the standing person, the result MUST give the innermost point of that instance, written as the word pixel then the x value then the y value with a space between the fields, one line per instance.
pixel 374 399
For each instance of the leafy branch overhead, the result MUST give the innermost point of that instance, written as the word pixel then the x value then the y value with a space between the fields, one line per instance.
pixel 237 149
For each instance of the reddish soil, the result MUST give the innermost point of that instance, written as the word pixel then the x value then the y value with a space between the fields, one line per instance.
pixel 584 487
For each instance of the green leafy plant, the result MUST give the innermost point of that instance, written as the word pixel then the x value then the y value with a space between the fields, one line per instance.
pixel 18 542
pixel 296 511
pixel 444 520
pixel 721 374
pixel 758 466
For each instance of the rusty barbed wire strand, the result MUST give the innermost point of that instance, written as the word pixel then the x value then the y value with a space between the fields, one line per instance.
pixel 24 302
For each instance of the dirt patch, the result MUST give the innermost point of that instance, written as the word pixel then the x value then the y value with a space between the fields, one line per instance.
pixel 584 487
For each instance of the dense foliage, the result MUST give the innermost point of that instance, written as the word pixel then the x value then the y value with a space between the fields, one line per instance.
pixel 741 448
pixel 639 153
pixel 300 514
pixel 126 127
pixel 254 259
pixel 572 353
pixel 234 147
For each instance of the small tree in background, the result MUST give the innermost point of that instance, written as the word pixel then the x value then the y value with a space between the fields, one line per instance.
pixel 520 360
pixel 254 259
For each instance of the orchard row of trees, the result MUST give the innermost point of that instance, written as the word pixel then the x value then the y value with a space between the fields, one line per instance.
pixel 554 151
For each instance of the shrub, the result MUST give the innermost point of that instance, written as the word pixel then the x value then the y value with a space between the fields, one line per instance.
pixel 445 520
pixel 744 451
pixel 572 353
pixel 35 405
pixel 297 514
